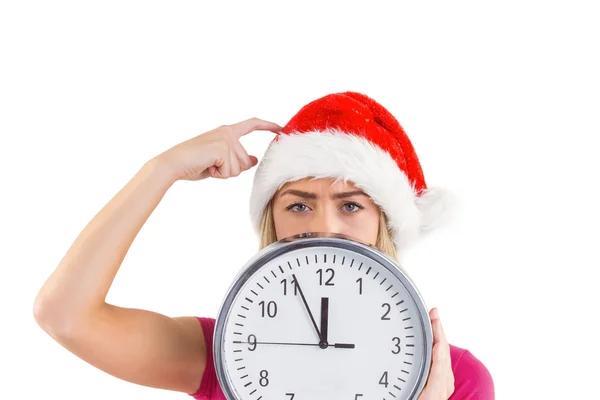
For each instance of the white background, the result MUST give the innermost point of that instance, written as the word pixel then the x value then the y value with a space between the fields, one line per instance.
pixel 500 100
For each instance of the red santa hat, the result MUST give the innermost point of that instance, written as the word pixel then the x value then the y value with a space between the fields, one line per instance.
pixel 351 136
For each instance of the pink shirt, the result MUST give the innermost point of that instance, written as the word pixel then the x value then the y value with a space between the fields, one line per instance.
pixel 472 380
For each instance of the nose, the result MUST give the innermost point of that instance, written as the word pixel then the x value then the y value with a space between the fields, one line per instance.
pixel 325 221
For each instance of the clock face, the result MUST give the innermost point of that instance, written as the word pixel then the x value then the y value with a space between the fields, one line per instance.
pixel 322 319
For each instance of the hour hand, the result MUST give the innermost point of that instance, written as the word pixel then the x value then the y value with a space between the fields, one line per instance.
pixel 343 345
pixel 324 320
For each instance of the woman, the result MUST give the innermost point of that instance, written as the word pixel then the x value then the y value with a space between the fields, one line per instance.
pixel 342 164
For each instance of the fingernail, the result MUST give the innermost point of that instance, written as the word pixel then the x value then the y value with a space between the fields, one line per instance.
pixel 436 313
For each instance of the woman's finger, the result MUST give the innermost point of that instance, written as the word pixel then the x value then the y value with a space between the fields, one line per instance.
pixel 222 168
pixel 246 161
pixel 441 362
pixel 212 172
pixel 436 373
pixel 234 162
pixel 243 128
pixel 443 341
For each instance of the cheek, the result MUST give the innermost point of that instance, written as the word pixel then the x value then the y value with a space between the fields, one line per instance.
pixel 364 227
pixel 287 224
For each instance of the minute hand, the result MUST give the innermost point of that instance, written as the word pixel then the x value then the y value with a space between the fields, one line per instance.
pixel 306 306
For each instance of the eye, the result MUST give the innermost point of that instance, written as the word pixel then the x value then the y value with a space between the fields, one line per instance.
pixel 352 207
pixel 297 207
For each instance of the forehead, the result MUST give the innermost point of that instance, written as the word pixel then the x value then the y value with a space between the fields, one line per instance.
pixel 318 185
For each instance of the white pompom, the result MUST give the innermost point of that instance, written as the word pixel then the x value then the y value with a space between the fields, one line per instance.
pixel 437 206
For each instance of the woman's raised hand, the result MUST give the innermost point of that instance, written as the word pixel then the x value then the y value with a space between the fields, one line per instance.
pixel 217 153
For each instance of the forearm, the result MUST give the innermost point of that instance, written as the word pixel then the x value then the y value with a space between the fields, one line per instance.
pixel 83 277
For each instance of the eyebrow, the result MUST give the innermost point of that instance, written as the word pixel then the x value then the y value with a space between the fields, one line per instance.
pixel 309 195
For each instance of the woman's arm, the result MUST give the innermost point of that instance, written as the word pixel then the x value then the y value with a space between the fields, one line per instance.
pixel 139 346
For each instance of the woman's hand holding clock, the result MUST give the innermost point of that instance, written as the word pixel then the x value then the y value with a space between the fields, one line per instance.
pixel 440 383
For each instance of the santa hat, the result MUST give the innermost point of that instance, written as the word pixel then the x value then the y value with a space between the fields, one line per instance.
pixel 351 136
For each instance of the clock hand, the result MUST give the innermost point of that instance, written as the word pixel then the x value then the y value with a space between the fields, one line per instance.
pixel 306 306
pixel 342 346
pixel 325 328
pixel 324 321
pixel 290 344
pixel 336 345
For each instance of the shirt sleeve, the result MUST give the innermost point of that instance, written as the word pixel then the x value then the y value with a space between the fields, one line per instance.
pixel 209 382
pixel 472 380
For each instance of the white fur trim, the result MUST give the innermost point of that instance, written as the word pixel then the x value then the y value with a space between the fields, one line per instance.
pixel 335 154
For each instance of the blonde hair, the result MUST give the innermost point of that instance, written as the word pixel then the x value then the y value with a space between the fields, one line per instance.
pixel 268 235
